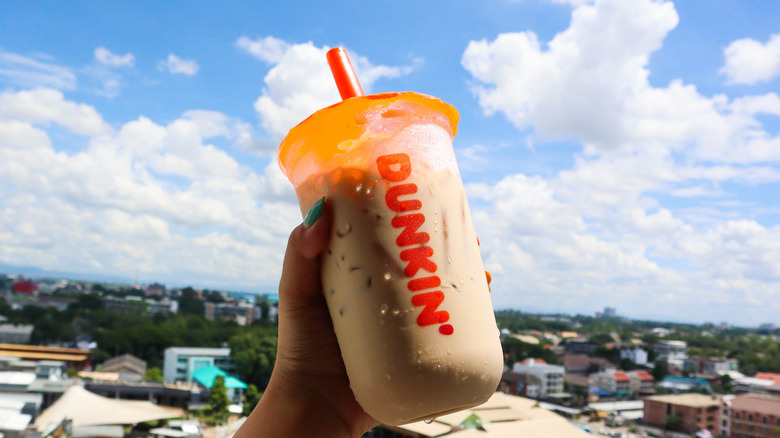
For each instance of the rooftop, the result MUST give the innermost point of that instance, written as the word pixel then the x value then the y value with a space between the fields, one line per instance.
pixel 690 400
pixel 763 404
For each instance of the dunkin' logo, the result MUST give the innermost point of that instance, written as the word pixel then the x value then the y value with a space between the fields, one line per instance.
pixel 396 168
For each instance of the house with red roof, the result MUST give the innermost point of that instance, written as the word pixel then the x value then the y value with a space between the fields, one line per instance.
pixel 775 377
pixel 614 381
pixel 642 380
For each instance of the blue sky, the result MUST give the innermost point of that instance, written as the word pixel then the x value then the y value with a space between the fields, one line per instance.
pixel 619 153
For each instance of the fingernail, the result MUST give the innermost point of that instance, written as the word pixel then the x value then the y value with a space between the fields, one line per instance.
pixel 314 213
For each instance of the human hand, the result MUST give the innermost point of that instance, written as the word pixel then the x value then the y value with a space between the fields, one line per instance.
pixel 309 391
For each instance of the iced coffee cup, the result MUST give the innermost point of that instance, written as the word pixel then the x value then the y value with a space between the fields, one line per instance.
pixel 402 276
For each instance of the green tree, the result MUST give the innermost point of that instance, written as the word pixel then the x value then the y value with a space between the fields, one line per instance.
pixel 189 303
pixel 5 308
pixel 153 374
pixel 254 354
pixel 660 370
pixel 673 422
pixel 251 398
pixel 219 401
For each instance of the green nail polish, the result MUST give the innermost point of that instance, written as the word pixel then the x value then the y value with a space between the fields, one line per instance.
pixel 314 213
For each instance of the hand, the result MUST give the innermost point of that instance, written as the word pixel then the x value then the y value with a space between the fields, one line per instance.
pixel 308 394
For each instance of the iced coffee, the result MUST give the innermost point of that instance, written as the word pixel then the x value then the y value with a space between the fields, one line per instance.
pixel 402 275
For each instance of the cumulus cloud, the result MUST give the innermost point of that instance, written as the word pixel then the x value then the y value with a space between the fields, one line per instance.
pixel 146 197
pixel 748 61
pixel 300 81
pixel 268 49
pixel 175 65
pixel 601 231
pixel 27 72
pixel 105 57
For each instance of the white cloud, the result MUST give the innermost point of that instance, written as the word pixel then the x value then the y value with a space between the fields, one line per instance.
pixel 105 57
pixel 268 49
pixel 145 198
pixel 300 82
pixel 26 72
pixel 175 65
pixel 748 61
pixel 601 232
pixel 41 106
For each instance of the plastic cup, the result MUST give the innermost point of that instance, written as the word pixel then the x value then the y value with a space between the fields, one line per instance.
pixel 402 276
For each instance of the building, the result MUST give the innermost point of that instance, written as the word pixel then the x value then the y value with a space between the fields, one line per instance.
pixel 754 415
pixel 155 290
pixel 678 384
pixel 643 381
pixel 636 355
pixel 548 378
pixel 616 382
pixel 25 287
pixel 675 352
pixel 159 393
pixel 775 377
pixel 725 413
pixel 73 357
pixel 241 312
pixel 206 377
pixel 180 362
pixel 579 346
pixel 752 384
pixel 583 365
pixel 16 333
pixel 135 304
pixel 125 364
pixel 697 411
pixel 710 365
pixel 501 416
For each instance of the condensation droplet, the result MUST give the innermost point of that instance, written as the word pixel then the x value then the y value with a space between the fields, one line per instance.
pixel 387 376
pixel 436 228
pixel 388 276
pixel 435 211
pixel 449 259
pixel 396 312
pixel 359 187
pixel 429 421
pixel 384 308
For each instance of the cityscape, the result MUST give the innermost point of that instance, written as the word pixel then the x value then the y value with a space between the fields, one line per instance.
pixel 613 166
pixel 567 374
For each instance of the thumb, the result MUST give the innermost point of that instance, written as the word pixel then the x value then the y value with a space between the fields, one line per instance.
pixel 300 281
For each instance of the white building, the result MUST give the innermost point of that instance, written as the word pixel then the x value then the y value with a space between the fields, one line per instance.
pixel 636 355
pixel 550 377
pixel 16 334
pixel 710 365
pixel 180 362
pixel 675 352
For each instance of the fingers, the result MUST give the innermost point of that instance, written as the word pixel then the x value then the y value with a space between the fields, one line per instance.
pixel 301 270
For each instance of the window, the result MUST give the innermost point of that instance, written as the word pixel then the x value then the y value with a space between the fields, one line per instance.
pixel 736 416
pixel 750 417
pixel 763 420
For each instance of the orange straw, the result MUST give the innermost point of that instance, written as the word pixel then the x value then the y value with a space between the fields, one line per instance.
pixel 346 79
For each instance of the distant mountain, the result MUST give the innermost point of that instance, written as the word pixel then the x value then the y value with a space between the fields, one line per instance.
pixel 31 271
